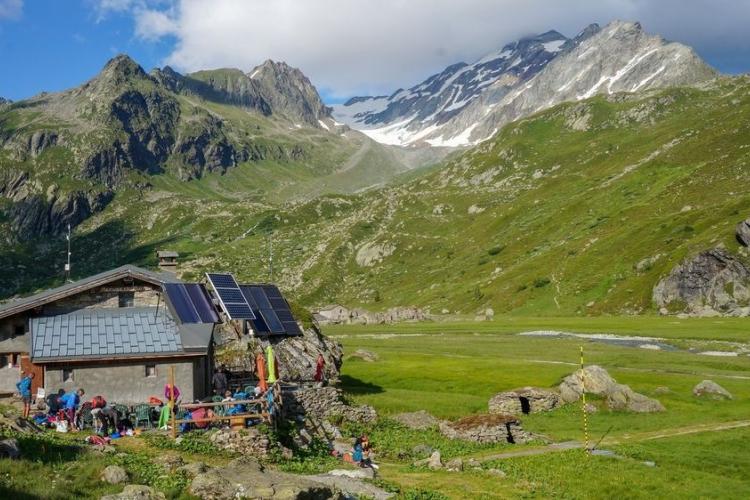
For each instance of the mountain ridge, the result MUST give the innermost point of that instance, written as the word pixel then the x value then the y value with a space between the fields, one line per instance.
pixel 483 113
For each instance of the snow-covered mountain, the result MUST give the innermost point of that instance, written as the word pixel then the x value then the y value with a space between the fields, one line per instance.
pixel 466 104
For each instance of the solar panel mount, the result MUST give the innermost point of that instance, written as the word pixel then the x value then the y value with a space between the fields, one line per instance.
pixel 232 301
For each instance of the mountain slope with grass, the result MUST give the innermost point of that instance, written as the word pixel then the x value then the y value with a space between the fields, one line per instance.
pixel 580 209
pixel 264 136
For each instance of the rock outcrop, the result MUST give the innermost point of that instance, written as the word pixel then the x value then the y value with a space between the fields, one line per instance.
pixel 711 390
pixel 742 232
pixel 595 380
pixel 114 474
pixel 246 478
pixel 296 356
pixel 525 400
pixel 335 315
pixel 712 283
pixel 136 492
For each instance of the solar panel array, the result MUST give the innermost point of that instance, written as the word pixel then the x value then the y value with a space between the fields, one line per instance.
pixel 191 303
pixel 231 298
pixel 272 313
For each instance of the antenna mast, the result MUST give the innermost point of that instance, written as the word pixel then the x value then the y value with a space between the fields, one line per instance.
pixel 270 255
pixel 67 264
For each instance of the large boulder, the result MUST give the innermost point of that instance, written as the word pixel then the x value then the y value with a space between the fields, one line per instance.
pixel 743 232
pixel 417 420
pixel 9 449
pixel 136 492
pixel 114 474
pixel 296 356
pixel 525 400
pixel 712 390
pixel 595 380
pixel 246 478
pixel 711 283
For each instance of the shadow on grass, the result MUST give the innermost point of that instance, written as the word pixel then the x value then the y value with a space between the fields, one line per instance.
pixel 356 387
pixel 6 492
pixel 48 451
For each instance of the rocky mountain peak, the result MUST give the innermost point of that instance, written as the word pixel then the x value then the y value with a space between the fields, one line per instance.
pixel 289 91
pixel 121 68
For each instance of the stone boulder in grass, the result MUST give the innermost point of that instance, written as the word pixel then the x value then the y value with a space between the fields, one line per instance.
pixel 597 381
pixel 417 420
pixel 711 390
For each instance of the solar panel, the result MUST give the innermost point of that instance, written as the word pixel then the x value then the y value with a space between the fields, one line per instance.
pixel 202 303
pixel 181 303
pixel 273 322
pixel 232 301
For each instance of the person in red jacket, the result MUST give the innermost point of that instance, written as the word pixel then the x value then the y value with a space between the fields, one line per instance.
pixel 320 366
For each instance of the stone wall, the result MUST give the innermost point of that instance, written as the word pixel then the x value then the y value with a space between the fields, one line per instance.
pixel 123 382
pixel 108 296
pixel 9 375
pixel 341 315
pixel 324 402
pixel 486 429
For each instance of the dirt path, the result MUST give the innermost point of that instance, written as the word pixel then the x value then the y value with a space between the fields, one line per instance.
pixel 626 438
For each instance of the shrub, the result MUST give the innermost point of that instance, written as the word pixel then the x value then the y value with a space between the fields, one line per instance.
pixel 541 282
pixel 496 250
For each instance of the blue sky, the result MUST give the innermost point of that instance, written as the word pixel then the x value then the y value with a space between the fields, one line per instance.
pixel 346 47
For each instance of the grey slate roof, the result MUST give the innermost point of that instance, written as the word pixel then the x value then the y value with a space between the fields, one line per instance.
pixel 104 333
pixel 23 304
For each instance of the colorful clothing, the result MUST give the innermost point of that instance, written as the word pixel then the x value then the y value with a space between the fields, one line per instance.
pixel 24 387
pixel 169 390
pixel 272 370
pixel 260 367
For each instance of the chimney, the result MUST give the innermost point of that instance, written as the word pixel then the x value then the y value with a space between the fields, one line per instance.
pixel 167 260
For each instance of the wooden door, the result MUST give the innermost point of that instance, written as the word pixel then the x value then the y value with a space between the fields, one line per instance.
pixel 38 371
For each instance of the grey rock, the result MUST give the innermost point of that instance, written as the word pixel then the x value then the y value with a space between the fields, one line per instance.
pixel 743 233
pixel 352 487
pixel 597 381
pixel 136 492
pixel 114 474
pixel 365 355
pixel 497 472
pixel 525 400
pixel 9 449
pixel 711 283
pixel 360 473
pixel 434 462
pixel 712 390
pixel 455 465
pixel 243 478
pixel 417 420
pixel 192 469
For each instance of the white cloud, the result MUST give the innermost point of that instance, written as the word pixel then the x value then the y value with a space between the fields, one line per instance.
pixel 352 47
pixel 11 9
pixel 153 24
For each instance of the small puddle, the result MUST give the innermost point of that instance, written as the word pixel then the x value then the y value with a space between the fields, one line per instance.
pixel 649 343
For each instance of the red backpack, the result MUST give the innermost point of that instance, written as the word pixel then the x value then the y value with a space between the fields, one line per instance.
pixel 98 402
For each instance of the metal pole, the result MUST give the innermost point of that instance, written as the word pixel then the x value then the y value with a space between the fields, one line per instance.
pixel 270 256
pixel 67 265
pixel 171 402
pixel 583 403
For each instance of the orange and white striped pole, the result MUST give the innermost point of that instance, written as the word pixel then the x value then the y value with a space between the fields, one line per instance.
pixel 583 407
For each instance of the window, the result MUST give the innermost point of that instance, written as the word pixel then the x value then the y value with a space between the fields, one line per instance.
pixel 151 370
pixel 67 375
pixel 126 299
pixel 19 330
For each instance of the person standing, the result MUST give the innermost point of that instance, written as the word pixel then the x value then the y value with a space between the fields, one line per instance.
pixel 70 402
pixel 24 389
pixel 320 366
pixel 219 381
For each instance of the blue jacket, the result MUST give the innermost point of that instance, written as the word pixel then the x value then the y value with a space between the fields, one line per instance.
pixel 70 400
pixel 24 386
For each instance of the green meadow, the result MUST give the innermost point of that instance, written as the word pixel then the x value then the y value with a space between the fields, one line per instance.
pixel 452 369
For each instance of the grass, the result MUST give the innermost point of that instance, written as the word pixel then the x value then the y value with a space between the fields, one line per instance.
pixel 452 369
